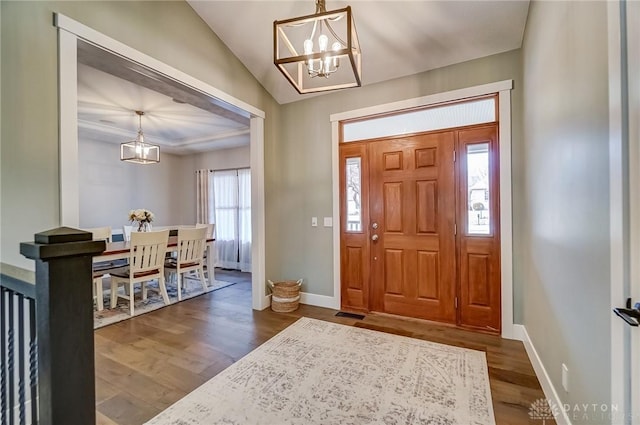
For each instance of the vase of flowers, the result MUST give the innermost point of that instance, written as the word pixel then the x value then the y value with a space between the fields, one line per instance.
pixel 143 218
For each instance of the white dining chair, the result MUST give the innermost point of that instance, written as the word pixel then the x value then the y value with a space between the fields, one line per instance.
pixel 191 245
pixel 146 262
pixel 210 249
pixel 102 268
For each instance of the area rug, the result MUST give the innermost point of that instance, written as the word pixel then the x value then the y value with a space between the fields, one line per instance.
pixel 154 300
pixel 316 372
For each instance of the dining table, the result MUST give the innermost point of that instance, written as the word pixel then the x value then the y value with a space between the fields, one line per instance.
pixel 121 249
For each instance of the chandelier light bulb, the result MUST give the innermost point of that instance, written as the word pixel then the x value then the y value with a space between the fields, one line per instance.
pixel 323 41
pixel 308 47
pixel 336 46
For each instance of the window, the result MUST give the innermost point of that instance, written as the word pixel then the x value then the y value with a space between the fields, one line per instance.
pixel 353 179
pixel 439 117
pixel 478 209
pixel 231 204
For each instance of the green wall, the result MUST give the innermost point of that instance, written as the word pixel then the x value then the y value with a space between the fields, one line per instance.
pixel 566 280
pixel 303 159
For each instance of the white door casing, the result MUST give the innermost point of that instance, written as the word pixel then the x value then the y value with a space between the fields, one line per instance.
pixel 624 164
pixel 503 88
pixel 632 80
pixel 69 32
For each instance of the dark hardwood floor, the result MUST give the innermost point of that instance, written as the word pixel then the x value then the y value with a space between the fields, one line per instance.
pixel 147 363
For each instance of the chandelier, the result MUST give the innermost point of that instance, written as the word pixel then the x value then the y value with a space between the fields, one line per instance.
pixel 318 52
pixel 138 150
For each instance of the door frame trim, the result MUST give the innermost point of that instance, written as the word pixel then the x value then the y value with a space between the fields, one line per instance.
pixel 69 32
pixel 503 88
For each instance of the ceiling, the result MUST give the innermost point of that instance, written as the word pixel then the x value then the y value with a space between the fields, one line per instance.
pixel 177 117
pixel 397 38
pixel 106 113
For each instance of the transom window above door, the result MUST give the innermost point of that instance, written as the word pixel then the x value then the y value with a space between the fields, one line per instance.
pixel 452 115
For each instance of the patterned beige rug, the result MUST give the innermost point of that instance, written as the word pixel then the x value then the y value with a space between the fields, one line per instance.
pixel 154 301
pixel 316 372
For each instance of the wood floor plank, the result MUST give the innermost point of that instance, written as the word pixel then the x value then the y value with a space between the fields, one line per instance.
pixel 149 362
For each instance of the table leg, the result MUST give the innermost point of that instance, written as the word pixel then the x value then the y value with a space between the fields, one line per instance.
pixel 211 261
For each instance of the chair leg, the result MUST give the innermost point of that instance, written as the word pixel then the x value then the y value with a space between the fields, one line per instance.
pixel 144 291
pixel 114 292
pixel 97 291
pixel 131 299
pixel 204 282
pixel 163 290
pixel 179 283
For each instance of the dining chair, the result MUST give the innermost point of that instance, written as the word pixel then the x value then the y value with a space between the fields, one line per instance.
pixel 100 269
pixel 191 245
pixel 146 262
pixel 210 249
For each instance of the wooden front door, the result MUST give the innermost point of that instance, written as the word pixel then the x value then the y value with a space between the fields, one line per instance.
pixel 407 247
pixel 412 201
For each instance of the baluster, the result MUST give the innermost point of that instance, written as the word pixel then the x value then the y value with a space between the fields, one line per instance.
pixel 10 360
pixel 3 355
pixel 33 362
pixel 21 371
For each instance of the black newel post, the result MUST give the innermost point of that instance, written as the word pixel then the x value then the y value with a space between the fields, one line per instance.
pixel 64 317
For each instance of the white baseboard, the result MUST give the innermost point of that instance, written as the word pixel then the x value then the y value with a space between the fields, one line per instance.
pixel 318 300
pixel 266 302
pixel 545 381
pixel 517 332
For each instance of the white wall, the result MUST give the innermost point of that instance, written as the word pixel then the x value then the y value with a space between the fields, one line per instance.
pixel 222 159
pixel 565 222
pixel 109 188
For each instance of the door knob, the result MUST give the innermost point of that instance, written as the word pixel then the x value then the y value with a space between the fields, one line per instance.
pixel 374 225
pixel 374 237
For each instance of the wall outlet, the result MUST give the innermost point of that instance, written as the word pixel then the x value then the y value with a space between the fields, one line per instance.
pixel 328 222
pixel 314 221
pixel 565 377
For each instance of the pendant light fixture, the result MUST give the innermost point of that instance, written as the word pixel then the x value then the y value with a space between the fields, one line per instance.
pixel 138 150
pixel 318 52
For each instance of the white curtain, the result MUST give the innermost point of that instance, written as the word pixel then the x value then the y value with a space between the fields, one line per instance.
pixel 205 208
pixel 229 207
pixel 225 190
pixel 244 219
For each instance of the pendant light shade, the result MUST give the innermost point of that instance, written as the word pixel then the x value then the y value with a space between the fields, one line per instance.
pixel 138 151
pixel 318 52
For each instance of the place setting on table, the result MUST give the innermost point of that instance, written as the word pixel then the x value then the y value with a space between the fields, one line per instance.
pixel 151 267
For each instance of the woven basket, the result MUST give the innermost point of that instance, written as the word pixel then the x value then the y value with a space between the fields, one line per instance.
pixel 285 295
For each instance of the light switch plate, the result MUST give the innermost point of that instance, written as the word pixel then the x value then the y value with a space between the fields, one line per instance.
pixel 328 222
pixel 314 221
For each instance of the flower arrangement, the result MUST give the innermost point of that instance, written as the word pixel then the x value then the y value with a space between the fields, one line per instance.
pixel 141 216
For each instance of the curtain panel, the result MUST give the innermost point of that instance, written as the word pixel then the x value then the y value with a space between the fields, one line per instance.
pixel 224 197
pixel 205 208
